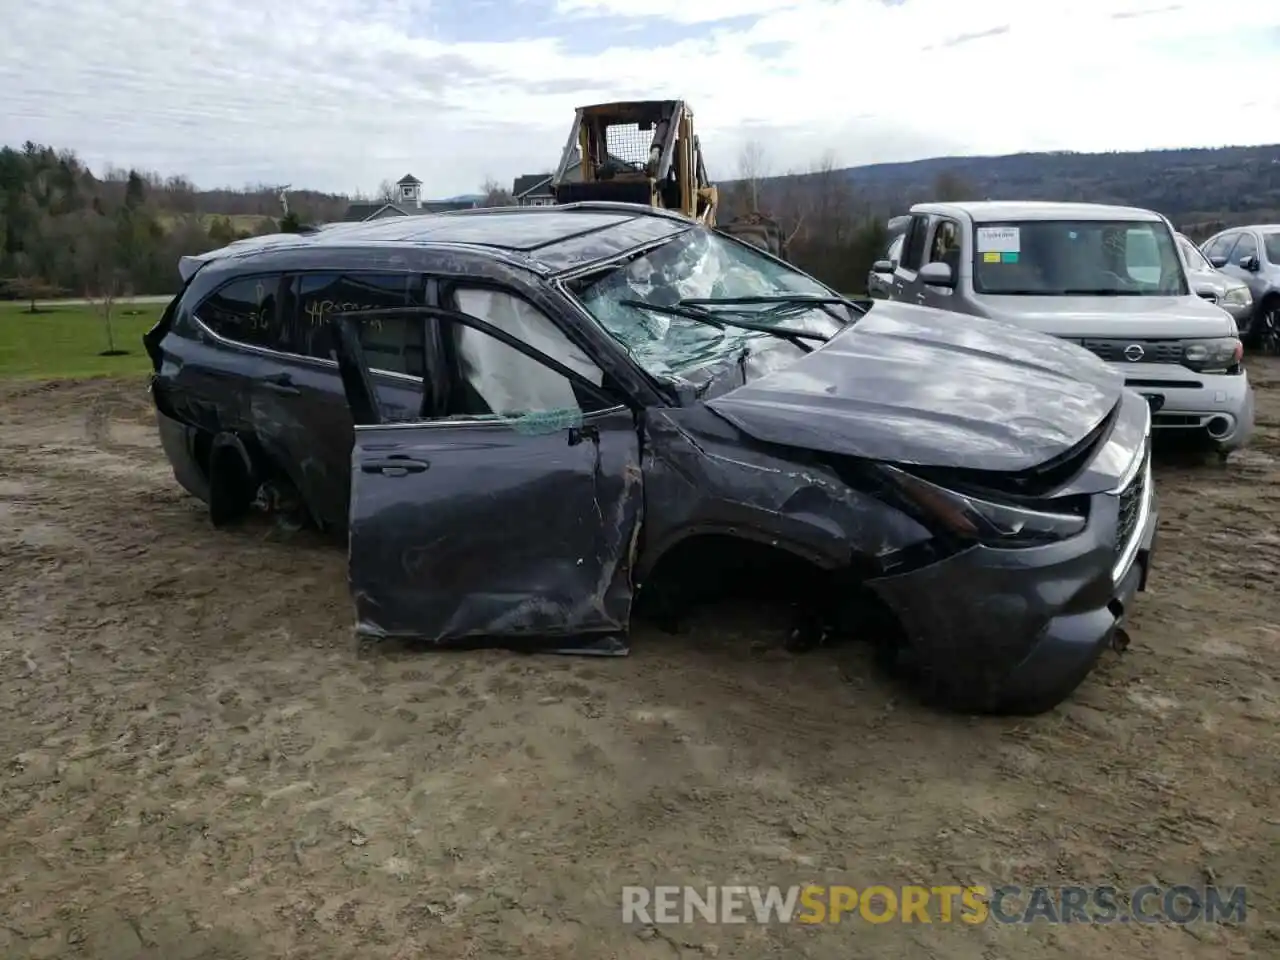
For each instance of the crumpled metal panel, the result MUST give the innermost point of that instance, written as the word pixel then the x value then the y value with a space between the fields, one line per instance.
pixel 921 386
pixel 703 476
pixel 506 532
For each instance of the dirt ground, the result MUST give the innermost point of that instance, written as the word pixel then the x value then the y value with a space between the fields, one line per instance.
pixel 199 761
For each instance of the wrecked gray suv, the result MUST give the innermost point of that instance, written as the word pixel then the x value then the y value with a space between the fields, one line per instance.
pixel 521 417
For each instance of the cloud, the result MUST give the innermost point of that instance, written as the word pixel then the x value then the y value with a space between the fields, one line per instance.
pixel 340 94
pixel 970 37
pixel 1150 12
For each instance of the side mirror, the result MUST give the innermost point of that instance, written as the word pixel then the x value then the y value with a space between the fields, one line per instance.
pixel 883 266
pixel 1207 291
pixel 1217 262
pixel 936 275
pixel 1249 263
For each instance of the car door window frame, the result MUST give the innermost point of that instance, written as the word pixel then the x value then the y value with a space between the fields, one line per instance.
pixel 612 401
pixel 282 281
pixel 934 229
pixel 1227 241
pixel 421 286
pixel 433 370
pixel 900 242
pixel 286 280
pixel 1233 259
pixel 919 226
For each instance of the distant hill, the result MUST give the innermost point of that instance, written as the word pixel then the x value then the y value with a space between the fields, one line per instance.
pixel 1189 186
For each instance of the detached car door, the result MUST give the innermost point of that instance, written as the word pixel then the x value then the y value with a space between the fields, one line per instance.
pixel 513 515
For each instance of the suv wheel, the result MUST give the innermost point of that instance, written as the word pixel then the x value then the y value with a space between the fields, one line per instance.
pixel 232 485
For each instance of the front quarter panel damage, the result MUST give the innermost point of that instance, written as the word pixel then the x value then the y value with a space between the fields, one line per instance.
pixel 703 476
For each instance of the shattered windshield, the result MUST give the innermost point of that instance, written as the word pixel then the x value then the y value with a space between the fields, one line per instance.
pixel 694 269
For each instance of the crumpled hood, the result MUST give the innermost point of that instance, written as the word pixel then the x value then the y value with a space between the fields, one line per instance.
pixel 1113 317
pixel 914 385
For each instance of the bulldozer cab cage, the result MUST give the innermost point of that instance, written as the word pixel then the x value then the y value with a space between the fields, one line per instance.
pixel 636 152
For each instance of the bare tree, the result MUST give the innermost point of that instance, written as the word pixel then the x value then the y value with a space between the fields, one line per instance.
pixel 495 194
pixel 386 191
pixel 829 204
pixel 103 297
pixel 31 289
pixel 753 167
pixel 831 230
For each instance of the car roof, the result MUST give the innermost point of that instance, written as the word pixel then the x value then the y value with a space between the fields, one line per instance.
pixel 543 239
pixel 989 211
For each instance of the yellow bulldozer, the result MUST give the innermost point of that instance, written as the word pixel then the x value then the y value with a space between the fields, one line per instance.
pixel 646 152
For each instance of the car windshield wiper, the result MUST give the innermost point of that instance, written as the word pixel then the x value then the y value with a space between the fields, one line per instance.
pixel 783 300
pixel 690 311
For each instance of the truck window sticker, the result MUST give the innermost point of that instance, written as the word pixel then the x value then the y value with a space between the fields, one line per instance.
pixel 999 240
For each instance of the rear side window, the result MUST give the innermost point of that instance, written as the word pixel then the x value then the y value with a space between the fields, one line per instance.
pixel 248 311
pixel 393 344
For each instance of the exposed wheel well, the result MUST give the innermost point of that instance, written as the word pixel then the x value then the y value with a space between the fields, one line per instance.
pixel 233 483
pixel 715 567
pixel 201 447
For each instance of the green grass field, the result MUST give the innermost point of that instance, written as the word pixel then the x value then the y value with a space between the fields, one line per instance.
pixel 65 341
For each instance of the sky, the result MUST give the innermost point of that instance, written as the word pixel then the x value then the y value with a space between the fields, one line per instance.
pixel 340 95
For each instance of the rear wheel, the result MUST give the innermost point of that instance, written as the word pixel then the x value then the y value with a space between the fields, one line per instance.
pixel 232 485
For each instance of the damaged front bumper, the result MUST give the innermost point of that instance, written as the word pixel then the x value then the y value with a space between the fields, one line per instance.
pixel 1022 628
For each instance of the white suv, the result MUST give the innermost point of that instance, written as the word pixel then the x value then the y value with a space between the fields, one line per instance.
pixel 1107 278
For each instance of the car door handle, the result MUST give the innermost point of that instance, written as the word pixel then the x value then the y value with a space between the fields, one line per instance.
pixel 280 383
pixel 394 466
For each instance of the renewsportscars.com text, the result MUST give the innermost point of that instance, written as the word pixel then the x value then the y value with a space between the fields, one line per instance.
pixel 1006 904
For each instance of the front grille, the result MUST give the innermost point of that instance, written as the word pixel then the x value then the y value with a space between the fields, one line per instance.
pixel 1153 351
pixel 1130 508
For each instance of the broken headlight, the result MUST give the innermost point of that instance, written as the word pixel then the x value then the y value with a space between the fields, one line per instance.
pixel 1212 356
pixel 993 524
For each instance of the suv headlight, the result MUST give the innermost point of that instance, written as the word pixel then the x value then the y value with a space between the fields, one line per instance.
pixel 993 524
pixel 1212 356
pixel 1238 296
